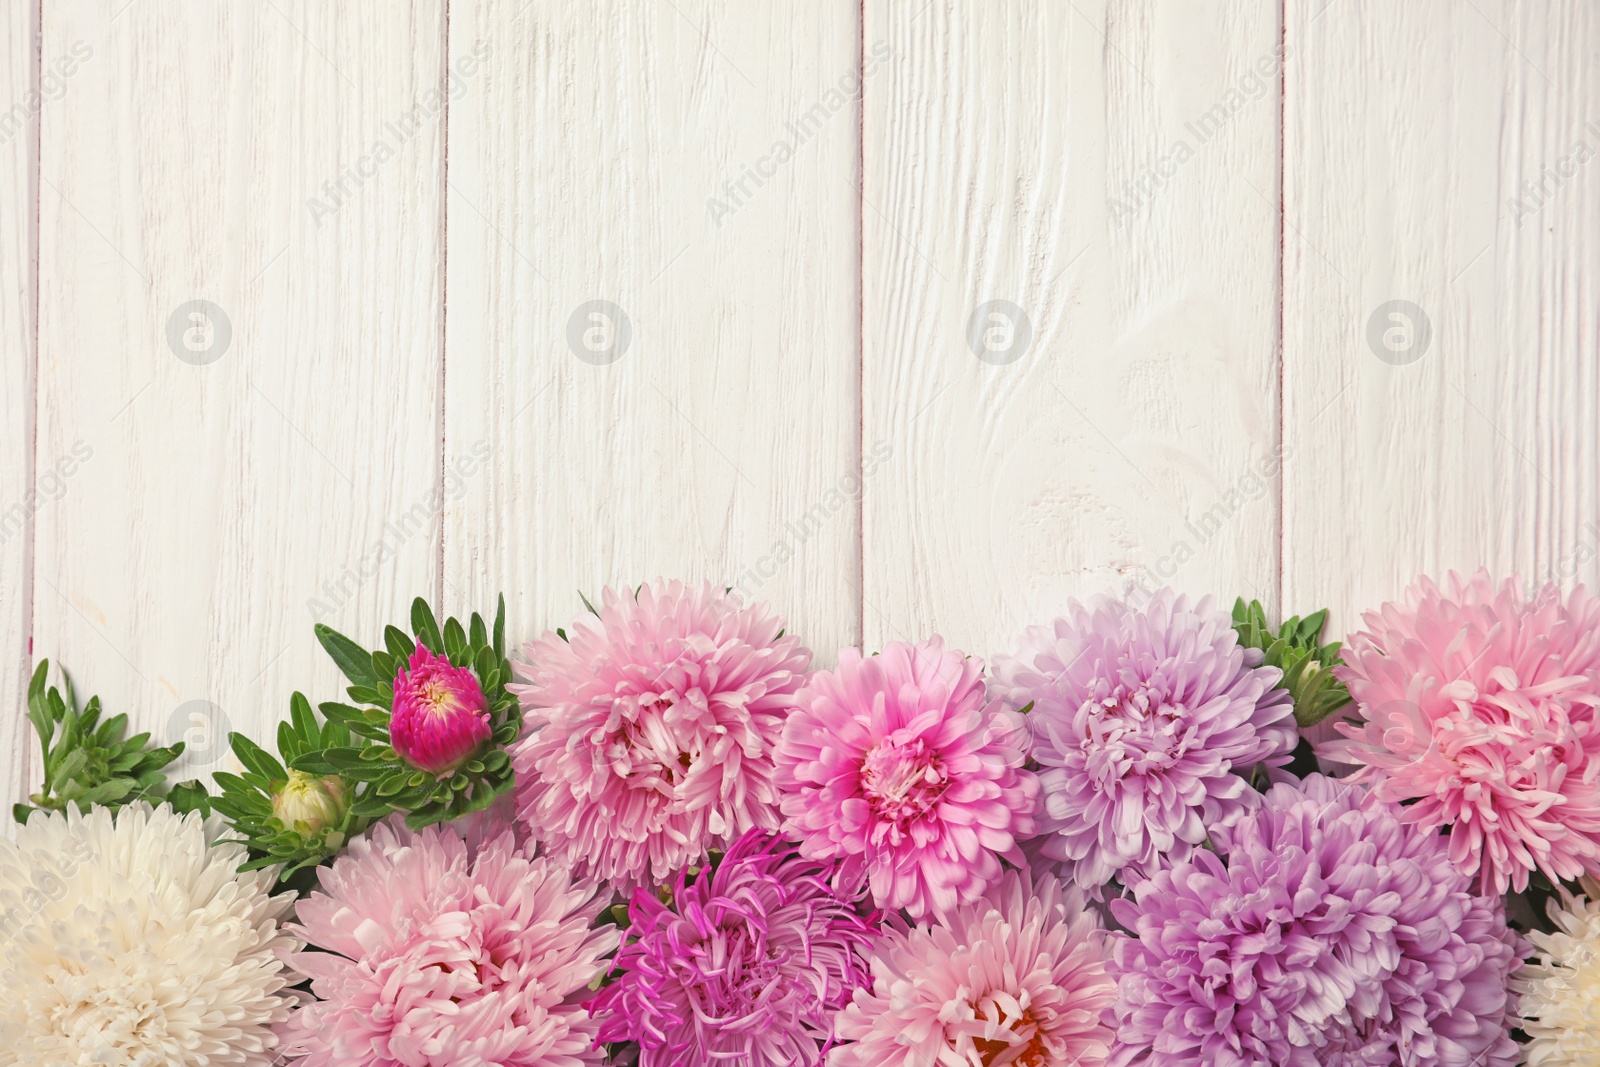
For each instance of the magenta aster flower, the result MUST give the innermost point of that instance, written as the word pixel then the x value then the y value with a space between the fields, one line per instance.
pixel 440 716
pixel 1142 721
pixel 439 952
pixel 1014 979
pixel 902 760
pixel 747 964
pixel 650 729
pixel 1480 707
pixel 1324 932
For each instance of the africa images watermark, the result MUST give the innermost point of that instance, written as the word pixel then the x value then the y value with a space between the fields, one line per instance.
pixel 415 520
pixel 798 531
pixel 1254 84
pixel 1535 193
pixel 738 190
pixel 336 192
pixel 52 87
pixel 1252 485
pixel 50 486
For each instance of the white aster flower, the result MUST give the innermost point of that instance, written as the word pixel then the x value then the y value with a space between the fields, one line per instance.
pixel 132 940
pixel 1561 988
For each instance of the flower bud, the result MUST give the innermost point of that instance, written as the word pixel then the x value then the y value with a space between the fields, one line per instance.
pixel 440 715
pixel 308 803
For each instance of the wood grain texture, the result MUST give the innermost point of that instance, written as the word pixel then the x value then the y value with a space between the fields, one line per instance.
pixel 20 105
pixel 693 165
pixel 1110 170
pixel 223 496
pixel 1441 154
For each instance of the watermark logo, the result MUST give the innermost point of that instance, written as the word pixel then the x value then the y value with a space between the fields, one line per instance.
pixel 199 332
pixel 203 728
pixel 599 332
pixel 999 332
pixel 1398 332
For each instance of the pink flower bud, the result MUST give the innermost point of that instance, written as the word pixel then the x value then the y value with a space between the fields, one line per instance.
pixel 440 715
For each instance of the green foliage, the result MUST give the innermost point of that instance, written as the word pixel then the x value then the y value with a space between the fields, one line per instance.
pixel 86 761
pixel 262 804
pixel 1293 649
pixel 391 783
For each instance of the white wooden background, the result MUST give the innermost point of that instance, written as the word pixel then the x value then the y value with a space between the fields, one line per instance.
pixel 1192 212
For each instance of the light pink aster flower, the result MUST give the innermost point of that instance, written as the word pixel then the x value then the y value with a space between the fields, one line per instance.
pixel 1480 708
pixel 440 716
pixel 650 729
pixel 901 759
pixel 1014 979
pixel 1145 721
pixel 440 953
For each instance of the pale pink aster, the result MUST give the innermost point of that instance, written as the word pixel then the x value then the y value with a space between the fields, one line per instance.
pixel 1480 709
pixel 1016 978
pixel 440 716
pixel 650 729
pixel 902 759
pixel 1145 722
pixel 439 952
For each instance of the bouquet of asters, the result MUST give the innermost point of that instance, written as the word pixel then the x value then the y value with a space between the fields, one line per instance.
pixel 659 835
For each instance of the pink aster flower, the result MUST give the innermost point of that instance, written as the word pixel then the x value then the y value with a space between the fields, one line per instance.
pixel 1480 706
pixel 1323 932
pixel 439 953
pixel 747 964
pixel 1144 721
pixel 1014 979
pixel 650 729
pixel 440 716
pixel 902 760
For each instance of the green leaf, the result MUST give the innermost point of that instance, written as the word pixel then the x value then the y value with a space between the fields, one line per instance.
pixel 425 626
pixel 477 634
pixel 348 656
pixel 39 706
pixel 500 627
pixel 586 603
pixel 189 796
pixel 398 644
pixel 305 723
pixel 455 641
pixel 257 758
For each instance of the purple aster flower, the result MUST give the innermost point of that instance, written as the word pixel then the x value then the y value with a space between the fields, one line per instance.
pixel 1142 719
pixel 1324 932
pixel 748 964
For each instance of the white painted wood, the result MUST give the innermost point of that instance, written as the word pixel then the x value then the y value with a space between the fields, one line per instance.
pixel 597 158
pixel 19 107
pixel 1111 169
pixel 1413 130
pixel 188 162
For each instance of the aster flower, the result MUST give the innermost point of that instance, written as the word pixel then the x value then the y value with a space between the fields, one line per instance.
pixel 1561 989
pixel 438 718
pixel 440 715
pixel 131 939
pixel 747 963
pixel 1143 720
pixel 1014 979
pixel 439 949
pixel 1479 706
pixel 289 819
pixel 651 727
pixel 902 760
pixel 1324 932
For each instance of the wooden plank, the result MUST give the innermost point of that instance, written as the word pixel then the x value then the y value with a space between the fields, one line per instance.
pixel 240 332
pixel 652 355
pixel 1070 308
pixel 20 105
pixel 1442 155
